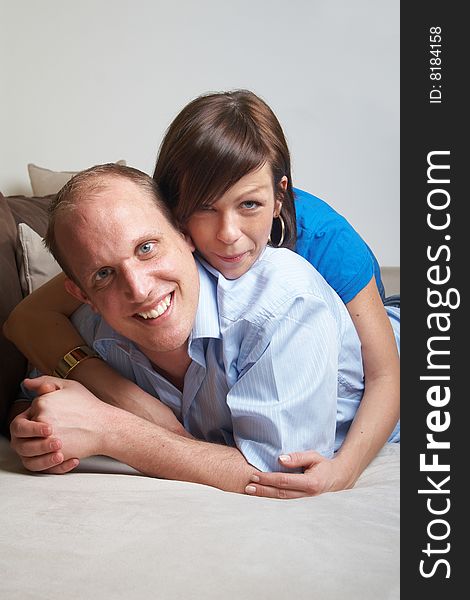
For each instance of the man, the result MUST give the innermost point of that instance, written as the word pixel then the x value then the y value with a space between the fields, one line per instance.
pixel 250 364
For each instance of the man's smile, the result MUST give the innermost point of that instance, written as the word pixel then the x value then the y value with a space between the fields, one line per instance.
pixel 157 311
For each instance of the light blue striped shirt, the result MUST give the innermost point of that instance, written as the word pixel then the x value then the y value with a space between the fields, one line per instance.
pixel 276 361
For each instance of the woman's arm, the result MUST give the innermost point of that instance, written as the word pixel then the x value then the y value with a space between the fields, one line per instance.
pixel 379 409
pixel 40 327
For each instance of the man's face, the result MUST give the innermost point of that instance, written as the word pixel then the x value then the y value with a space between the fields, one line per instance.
pixel 133 267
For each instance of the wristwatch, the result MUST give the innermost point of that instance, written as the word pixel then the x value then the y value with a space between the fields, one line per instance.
pixel 72 359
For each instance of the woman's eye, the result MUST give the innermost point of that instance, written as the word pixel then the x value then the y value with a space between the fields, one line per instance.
pixel 146 248
pixel 250 204
pixel 102 273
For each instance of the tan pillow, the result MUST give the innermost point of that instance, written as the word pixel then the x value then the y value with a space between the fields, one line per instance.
pixel 37 265
pixel 45 181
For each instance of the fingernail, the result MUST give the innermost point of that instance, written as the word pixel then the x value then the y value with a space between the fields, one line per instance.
pixel 57 458
pixel 46 431
pixel 55 445
pixel 250 489
pixel 285 458
pixel 254 478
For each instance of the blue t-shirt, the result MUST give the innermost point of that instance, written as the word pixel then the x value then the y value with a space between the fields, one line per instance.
pixel 333 247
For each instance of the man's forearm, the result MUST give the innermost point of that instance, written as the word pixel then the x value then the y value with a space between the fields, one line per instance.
pixel 111 387
pixel 160 453
pixel 87 426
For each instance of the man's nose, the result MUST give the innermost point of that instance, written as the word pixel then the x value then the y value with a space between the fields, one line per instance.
pixel 228 231
pixel 136 283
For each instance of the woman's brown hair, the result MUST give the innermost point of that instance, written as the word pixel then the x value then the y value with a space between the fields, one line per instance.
pixel 213 142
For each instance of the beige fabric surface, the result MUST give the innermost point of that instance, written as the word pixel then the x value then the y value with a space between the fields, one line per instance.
pixel 37 263
pixel 106 532
pixel 45 181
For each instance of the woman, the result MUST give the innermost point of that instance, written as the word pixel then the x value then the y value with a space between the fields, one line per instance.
pixel 224 170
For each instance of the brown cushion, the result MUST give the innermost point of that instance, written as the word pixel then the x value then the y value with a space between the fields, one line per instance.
pixel 31 210
pixel 14 210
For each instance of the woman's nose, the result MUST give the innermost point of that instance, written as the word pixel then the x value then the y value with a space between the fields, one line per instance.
pixel 228 229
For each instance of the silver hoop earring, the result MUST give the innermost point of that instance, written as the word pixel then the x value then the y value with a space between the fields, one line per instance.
pixel 283 233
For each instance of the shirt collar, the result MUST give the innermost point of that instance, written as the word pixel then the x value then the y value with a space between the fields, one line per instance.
pixel 267 251
pixel 206 324
pixel 105 334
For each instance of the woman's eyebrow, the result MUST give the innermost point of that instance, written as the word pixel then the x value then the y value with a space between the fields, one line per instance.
pixel 252 189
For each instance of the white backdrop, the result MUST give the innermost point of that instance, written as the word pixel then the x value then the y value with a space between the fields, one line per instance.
pixel 100 80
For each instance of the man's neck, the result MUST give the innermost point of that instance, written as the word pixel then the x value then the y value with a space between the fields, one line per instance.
pixel 172 365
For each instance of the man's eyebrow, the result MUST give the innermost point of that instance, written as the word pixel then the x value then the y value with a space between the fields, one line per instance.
pixel 145 237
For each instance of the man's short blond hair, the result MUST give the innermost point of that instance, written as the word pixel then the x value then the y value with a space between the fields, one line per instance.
pixel 87 185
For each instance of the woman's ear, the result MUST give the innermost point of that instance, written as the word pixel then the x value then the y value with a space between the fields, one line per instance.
pixel 282 185
pixel 280 191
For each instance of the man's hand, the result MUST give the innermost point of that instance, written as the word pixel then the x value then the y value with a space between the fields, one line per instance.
pixel 36 444
pixel 77 417
pixel 63 424
pixel 320 475
pixel 111 387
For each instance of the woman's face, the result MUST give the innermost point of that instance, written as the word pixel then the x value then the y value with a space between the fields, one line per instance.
pixel 232 232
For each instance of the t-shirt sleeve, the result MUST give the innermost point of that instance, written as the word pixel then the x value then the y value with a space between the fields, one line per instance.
pixel 330 243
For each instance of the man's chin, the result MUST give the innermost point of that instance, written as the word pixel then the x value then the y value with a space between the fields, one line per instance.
pixel 152 347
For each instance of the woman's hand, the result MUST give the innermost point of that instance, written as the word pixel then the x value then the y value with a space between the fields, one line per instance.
pixel 320 475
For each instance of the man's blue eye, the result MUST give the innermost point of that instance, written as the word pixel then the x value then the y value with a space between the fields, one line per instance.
pixel 102 273
pixel 146 248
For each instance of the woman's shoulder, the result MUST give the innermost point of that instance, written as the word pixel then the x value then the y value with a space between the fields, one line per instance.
pixel 332 245
pixel 322 231
pixel 314 215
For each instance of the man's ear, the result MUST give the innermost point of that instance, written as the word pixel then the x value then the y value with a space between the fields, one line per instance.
pixel 189 240
pixel 74 290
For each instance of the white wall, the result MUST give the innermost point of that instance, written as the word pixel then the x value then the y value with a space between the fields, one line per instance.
pixel 90 81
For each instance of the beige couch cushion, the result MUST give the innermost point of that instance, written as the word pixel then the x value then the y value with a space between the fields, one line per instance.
pixel 45 182
pixel 36 265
